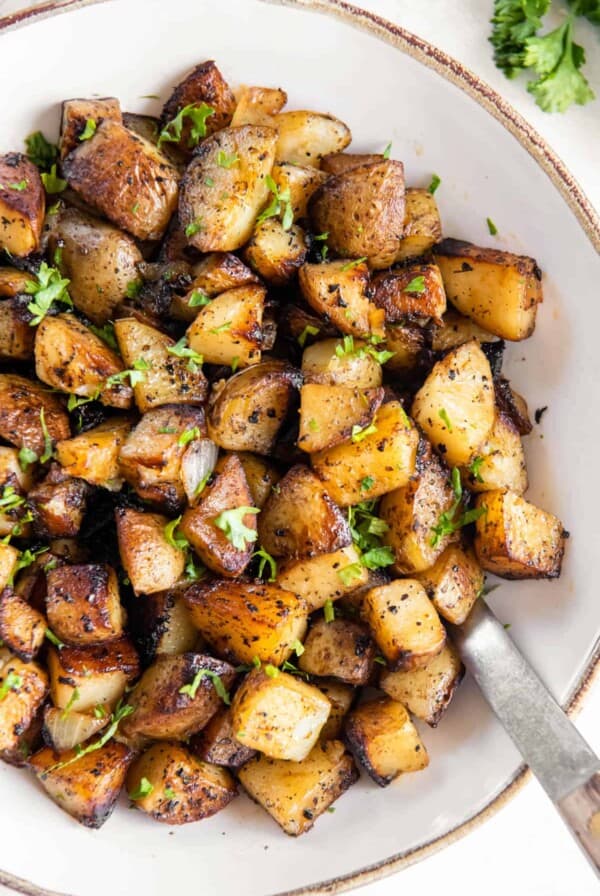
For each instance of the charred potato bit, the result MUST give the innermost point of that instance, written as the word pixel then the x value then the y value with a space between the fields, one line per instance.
pixel 22 629
pixel 83 604
pixel 163 625
pixel 453 583
pixel 338 162
pixel 23 687
pixel 22 205
pixel 151 562
pixel 204 84
pixel 58 504
pixel 94 455
pixel 337 290
pixel 217 744
pixel 422 225
pixel 96 675
pixel 426 692
pixel 76 114
pixel 228 330
pixel 342 649
pixel 413 293
pixel 21 405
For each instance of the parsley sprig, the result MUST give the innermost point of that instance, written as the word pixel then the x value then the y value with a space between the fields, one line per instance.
pixel 181 349
pixel 231 522
pixel 40 151
pixel 367 530
pixel 280 204
pixel 50 287
pixel 191 689
pixel 121 712
pixel 265 559
pixel 451 520
pixel 196 113
pixel 348 347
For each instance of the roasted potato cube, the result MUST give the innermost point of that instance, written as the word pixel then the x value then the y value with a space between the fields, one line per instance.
pixel 258 105
pixel 151 563
pixel 260 475
pixel 87 787
pixel 204 84
pixel 97 675
pixel 412 512
pixel 23 687
pixel 77 112
pixel 320 528
pixel 453 583
pixel 323 364
pixel 69 357
pixel 338 162
pixel 29 741
pixel 13 477
pixel 8 563
pixel 171 377
pixel 58 504
pixel 295 794
pixel 99 260
pixel 243 619
pixel 163 625
pixel 280 715
pixel 338 291
pixel 407 345
pixel 22 629
pixel 21 404
pixel 22 205
pixel 301 182
pixel 13 282
pixel 455 330
pixel 212 223
pixel 384 740
pixel 182 788
pixel 16 333
pixel 498 290
pixel 340 648
pixel 125 178
pixel 341 696
pixel 426 692
pixel 176 696
pixel 412 293
pixel 247 412
pixel 455 404
pixel 83 604
pixel 229 329
pixel 422 225
pixel 516 540
pixel 216 743
pixel 276 253
pixel 500 461
pixel 383 457
pixel 317 579
pixel 213 274
pixel 94 455
pixel 329 414
pixel 224 553
pixel 305 137
pixel 404 623
pixel 362 211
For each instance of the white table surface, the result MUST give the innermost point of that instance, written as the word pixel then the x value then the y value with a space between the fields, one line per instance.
pixel 523 849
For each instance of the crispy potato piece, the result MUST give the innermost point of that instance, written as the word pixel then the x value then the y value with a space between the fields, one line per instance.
pixel 99 260
pixel 94 455
pixel 455 404
pixel 258 105
pixel 64 730
pixel 517 540
pixel 362 210
pixel 13 282
pixel 453 583
pixel 87 787
pixel 386 455
pixel 170 379
pixel 412 293
pixel 301 182
pixel 500 461
pixel 230 327
pixel 162 710
pixel 338 291
pixel 229 491
pixel 305 137
pixel 183 788
pixel 8 563
pixel 26 687
pixel 320 528
pixel 75 115
pixel 96 675
pixel 341 697
pixel 125 178
pixel 58 504
pixel 21 404
pixel 69 357
pixel 163 625
pixel 455 330
pixel 147 126
pixel 338 162
pixel 407 345
pixel 513 405
pixel 322 364
pixel 260 475
pixel 22 629
pixel 216 743
pixel 211 222
pixel 281 715
pixel 426 692
pixel 204 84
pixel 328 414
pixel 246 414
pixel 404 622
pixel 317 579
pixel 275 253
pixel 16 334
pixel 22 205
pixel 151 563
pixel 340 648
pixel 412 511
pixel 422 225
pixel 213 274
pixel 12 476
pixel 500 291
pixel 295 794
pixel 83 604
pixel 384 740
pixel 243 619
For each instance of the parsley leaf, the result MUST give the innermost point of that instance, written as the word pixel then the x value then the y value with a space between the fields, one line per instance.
pixel 349 574
pixel 48 446
pixel 106 334
pixel 72 701
pixel 361 432
pixel 194 227
pixel 491 227
pixel 198 299
pixel 10 500
pixel 279 204
pixel 387 151
pixel 377 558
pixel 50 634
pixel 173 537
pixel 52 182
pixel 367 483
pixel 222 329
pixel 514 21
pixel 443 415
pixel 135 375
pixel 144 788
pixel 265 559
pixel 50 288
pixel 226 161
pixel 121 712
pixel 197 115
pixel 192 688
pixel 40 151
pixel 308 330
pixel 182 350
pixel 189 435
pixel 474 469
pixel 347 347
pixel 12 682
pixel 417 284
pixel 26 457
pixel 134 288
pixel 328 610
pixel 353 264
pixel 434 183
pixel 231 522
pixel 449 520
pixel 89 130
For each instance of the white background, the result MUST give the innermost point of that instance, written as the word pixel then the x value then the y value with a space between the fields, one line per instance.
pixel 525 848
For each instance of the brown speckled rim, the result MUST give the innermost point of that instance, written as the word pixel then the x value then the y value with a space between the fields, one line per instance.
pixel 568 187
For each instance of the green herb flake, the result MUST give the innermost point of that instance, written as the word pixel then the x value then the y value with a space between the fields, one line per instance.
pixel 10 499
pixel 367 483
pixel 298 647
pixel 194 227
pixel 191 689
pixel 209 182
pixel 387 151
pixel 120 713
pixel 434 183
pixel 50 288
pixel 416 285
pixel 173 537
pixel 189 435
pixel 308 330
pixel 361 432
pixel 271 671
pixel 12 682
pixel 198 299
pixel 134 288
pixel 280 204
pixel 491 227
pixel 377 558
pixel 451 521
pixel 227 161
pixel 48 445
pixel 443 415
pixel 222 329
pixel 181 349
pixel 328 608
pixel 72 701
pixel 353 264
pixel 136 375
pixel 50 634
pixel 231 522
pixel 26 457
pixel 106 333
pixel 265 559
pixel 40 151
pixel 99 711
pixel 89 130
pixel 53 184
pixel 475 467
pixel 349 574
pixel 197 114
pixel 144 788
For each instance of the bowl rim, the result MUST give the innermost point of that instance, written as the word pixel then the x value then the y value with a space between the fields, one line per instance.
pixel 567 185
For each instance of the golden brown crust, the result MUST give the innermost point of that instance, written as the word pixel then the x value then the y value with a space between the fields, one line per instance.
pixel 21 403
pixel 204 84
pixel 22 205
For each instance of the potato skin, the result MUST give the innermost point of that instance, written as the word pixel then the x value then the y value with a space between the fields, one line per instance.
pixel 58 504
pixel 21 402
pixel 422 225
pixel 341 648
pixel 22 628
pixel 75 114
pixel 18 709
pixel 217 744
pixel 152 564
pixel 426 692
pixel 21 210
pixel 329 413
pixel 204 84
pixel 337 291
pixel 401 304
pixel 82 604
pixel 16 335
pixel 305 137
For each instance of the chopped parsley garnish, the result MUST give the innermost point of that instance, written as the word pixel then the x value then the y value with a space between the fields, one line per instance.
pixel 134 288
pixel 194 227
pixel 387 151
pixel 265 560
pixel 106 333
pixel 280 204
pixel 144 788
pixel 313 425
pixel 197 115
pixel 72 701
pixel 434 183
pixel 121 712
pixel 376 558
pixel 443 415
pixel 12 682
pixel 451 521
pixel 173 537
pixel 271 671
pixel 170 793
pixel 491 227
pixel 231 522
pixel 347 347
pixel 40 151
pixel 298 647
pixel 198 299
pixel 99 711
pixel 417 284
pixel 10 499
pixel 350 573
pixel 182 350
pixel 474 468
pixel 328 610
pixel 235 363
pixel 361 432
pixel 222 329
pixel 89 130
pixel 226 161
pixel 52 182
pixel 189 435
pixel 192 688
pixel 27 456
pixel 136 375
pixel 50 634
pixel 75 402
pixel 50 288
pixel 353 264
pixel 367 483
pixel 48 446
pixel 309 330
